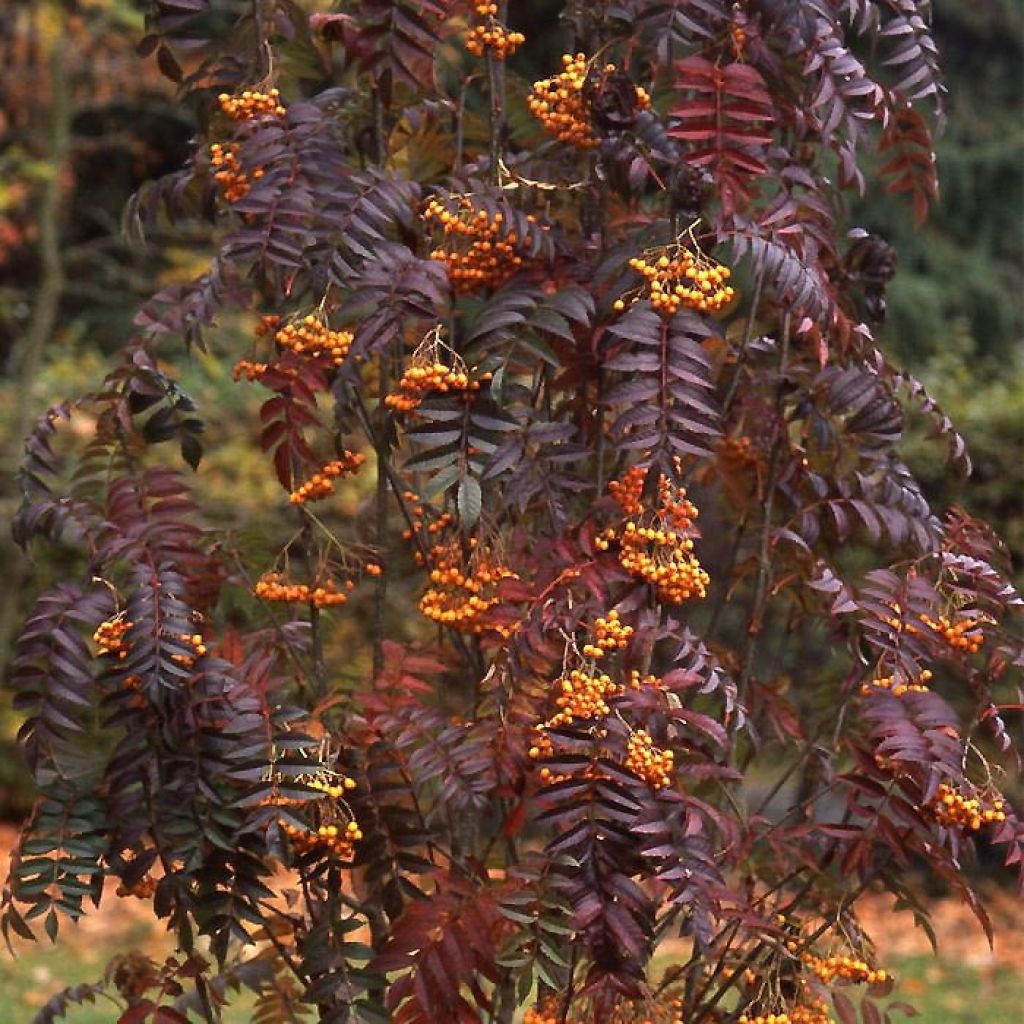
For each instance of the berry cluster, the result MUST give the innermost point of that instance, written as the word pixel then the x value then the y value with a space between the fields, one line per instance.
pixel 898 684
pixel 249 105
pixel 339 840
pixel 560 102
pixel 609 635
pixel 321 484
pixel 462 594
pixel 268 325
pixel 548 1013
pixel 583 695
pixel 476 248
pixel 736 452
pixel 418 515
pixel 665 1008
pixel 847 968
pixel 312 338
pixel 228 172
pixel 963 634
pixel 638 682
pixel 272 587
pixel 676 275
pixel 651 763
pixel 811 1011
pixel 665 560
pixel 245 369
pixel 419 380
pixel 110 635
pixel 332 786
pixel 954 810
pixel 541 746
pixel 657 547
pixel 195 641
pixel 491 35
pixel 434 366
pixel 628 491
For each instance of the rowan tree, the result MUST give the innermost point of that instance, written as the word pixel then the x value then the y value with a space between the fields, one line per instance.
pixel 637 534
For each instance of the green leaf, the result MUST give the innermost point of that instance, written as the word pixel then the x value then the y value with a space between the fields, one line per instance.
pixel 470 501
pixel 442 481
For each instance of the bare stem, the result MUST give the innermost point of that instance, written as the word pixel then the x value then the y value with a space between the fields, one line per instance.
pixel 756 623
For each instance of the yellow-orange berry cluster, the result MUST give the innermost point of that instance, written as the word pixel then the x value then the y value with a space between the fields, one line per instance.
pixel 110 636
pixel 638 681
pixel 250 104
pixel 679 276
pixel 609 635
pixel 419 380
pixel 666 1008
pixel 333 787
pixel 246 369
pixel 664 559
pixel 628 491
pixel 541 746
pixel 195 641
pixel 461 594
pixel 736 452
pixel 271 586
pixel 651 763
pixel 657 547
pixel 583 695
pixel 964 634
pixel 547 1013
pixel 491 35
pixel 268 324
pixel 811 1011
pixel 228 172
pixel 418 517
pixel 847 968
pixel 339 840
pixel 312 338
pixel 321 484
pixel 954 810
pixel 476 247
pixel 898 684
pixel 560 102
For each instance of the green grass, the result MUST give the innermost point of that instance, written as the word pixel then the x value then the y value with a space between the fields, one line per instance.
pixel 39 972
pixel 943 991
pixel 950 992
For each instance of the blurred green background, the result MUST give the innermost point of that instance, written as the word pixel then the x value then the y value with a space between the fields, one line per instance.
pixel 84 122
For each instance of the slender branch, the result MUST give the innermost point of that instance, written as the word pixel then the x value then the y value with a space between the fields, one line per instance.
pixel 763 566
pixel 748 334
pixel 496 88
pixel 380 533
